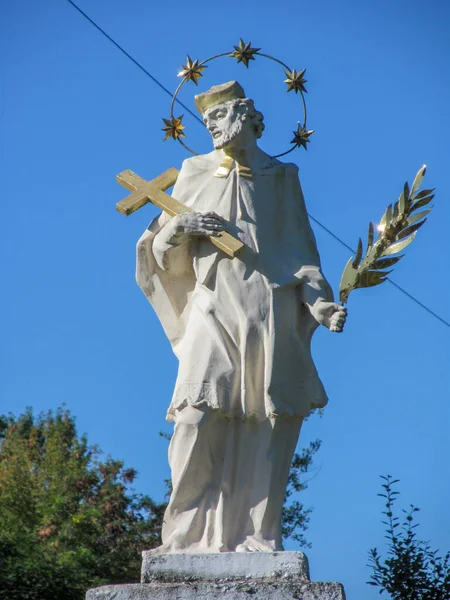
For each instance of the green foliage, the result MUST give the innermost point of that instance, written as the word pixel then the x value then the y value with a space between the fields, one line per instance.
pixel 68 520
pixel 295 516
pixel 412 570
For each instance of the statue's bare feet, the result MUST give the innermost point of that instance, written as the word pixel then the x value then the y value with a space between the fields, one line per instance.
pixel 253 545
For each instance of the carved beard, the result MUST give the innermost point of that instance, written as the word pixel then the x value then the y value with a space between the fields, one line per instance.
pixel 229 134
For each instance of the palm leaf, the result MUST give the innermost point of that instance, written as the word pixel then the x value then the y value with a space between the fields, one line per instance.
pixel 389 214
pixel 422 202
pixel 398 228
pixel 418 180
pixel 382 223
pixel 348 280
pixel 424 193
pixel 406 192
pixel 372 278
pixel 399 246
pixel 369 238
pixel 402 203
pixel 396 210
pixel 384 263
pixel 358 255
pixel 410 229
pixel 418 216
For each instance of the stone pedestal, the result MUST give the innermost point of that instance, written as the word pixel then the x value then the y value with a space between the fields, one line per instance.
pixel 230 575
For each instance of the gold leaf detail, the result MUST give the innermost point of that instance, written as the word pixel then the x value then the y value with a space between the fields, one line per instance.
pixel 301 136
pixel 399 246
pixel 244 52
pixel 355 263
pixel 295 81
pixel 398 228
pixel 192 71
pixel 418 180
pixel 173 128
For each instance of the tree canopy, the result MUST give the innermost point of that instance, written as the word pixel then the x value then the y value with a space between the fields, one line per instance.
pixel 68 518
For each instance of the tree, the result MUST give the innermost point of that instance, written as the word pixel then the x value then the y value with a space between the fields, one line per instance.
pixel 68 520
pixel 412 570
pixel 295 516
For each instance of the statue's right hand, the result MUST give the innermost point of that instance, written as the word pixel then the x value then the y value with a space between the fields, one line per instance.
pixel 199 223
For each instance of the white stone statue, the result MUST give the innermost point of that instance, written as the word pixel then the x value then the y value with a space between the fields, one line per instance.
pixel 241 328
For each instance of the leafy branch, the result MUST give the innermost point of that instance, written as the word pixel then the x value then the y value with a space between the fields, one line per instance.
pixel 411 569
pixel 397 229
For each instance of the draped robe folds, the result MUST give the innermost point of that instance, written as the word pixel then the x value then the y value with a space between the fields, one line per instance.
pixel 242 327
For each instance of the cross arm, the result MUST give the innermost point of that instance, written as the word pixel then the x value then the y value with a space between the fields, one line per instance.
pixel 152 191
pixel 136 184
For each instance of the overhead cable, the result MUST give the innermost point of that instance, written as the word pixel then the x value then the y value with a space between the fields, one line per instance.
pixel 160 85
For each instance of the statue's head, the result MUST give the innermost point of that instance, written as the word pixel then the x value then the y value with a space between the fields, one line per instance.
pixel 230 117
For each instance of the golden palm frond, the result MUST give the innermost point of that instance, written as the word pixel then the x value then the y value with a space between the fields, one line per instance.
pixel 397 229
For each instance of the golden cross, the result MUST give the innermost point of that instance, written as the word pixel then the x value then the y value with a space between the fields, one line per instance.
pixel 153 191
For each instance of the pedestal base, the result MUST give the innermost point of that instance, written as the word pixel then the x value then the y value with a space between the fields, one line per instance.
pixel 224 565
pixel 230 575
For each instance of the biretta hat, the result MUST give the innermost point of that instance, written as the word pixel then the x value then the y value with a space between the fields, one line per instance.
pixel 218 94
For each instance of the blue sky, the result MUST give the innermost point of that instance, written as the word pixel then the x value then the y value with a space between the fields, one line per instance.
pixel 76 328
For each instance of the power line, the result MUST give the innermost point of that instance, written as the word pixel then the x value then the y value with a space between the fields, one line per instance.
pixel 160 85
pixel 419 303
pixel 399 287
pixel 338 239
pixel 119 47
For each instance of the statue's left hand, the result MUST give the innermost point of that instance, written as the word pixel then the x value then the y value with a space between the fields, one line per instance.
pixel 330 314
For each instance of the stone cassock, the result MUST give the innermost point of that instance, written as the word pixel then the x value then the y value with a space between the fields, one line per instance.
pixel 241 329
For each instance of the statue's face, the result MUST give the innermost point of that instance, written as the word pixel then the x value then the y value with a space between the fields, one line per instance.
pixel 228 126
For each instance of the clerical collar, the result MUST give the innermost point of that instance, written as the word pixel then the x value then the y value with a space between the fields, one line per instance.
pixel 227 164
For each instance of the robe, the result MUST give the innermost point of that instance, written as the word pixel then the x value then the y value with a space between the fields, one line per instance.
pixel 241 327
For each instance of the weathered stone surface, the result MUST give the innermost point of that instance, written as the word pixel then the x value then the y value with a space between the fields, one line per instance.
pixel 224 565
pixel 240 328
pixel 230 575
pixel 281 588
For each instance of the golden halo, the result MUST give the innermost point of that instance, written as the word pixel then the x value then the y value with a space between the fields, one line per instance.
pixel 244 53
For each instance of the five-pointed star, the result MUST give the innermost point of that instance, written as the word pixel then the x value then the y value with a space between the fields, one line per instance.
pixel 244 52
pixel 301 136
pixel 295 81
pixel 191 70
pixel 174 128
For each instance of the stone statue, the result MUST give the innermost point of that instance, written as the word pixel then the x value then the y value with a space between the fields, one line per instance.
pixel 241 328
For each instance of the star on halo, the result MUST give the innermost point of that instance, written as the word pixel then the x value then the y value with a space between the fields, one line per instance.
pixel 173 128
pixel 192 71
pixel 301 136
pixel 295 81
pixel 244 52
